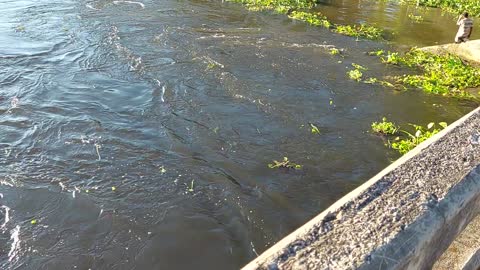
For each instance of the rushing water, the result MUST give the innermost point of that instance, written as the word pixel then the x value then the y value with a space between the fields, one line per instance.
pixel 136 135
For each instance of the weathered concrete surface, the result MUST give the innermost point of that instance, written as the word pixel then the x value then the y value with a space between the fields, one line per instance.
pixel 403 218
pixel 469 50
pixel 464 252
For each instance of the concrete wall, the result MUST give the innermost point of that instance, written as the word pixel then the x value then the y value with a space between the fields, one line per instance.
pixel 464 252
pixel 403 218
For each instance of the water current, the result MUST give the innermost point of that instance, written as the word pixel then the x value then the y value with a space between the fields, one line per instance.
pixel 136 134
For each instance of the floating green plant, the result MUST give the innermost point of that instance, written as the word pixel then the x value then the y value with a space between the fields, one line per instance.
pixel 373 80
pixel 361 30
pixel 439 74
pixel 334 51
pixel 285 163
pixel 314 129
pixel 281 6
pixel 190 189
pixel 403 145
pixel 407 139
pixel 211 65
pixel 312 18
pixel 356 74
pixel 453 6
pixel 415 18
pixel 385 127
pixel 300 10
pixel 391 58
pixel 377 52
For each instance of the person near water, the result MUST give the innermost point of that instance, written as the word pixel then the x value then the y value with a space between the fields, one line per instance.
pixel 465 28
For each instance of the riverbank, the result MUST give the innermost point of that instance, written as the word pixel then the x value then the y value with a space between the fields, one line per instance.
pixel 469 50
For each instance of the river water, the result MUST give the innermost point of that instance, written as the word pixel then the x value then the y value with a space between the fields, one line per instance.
pixel 136 135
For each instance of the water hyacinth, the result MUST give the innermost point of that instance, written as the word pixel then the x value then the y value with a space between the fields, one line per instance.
pixel 301 10
pixel 439 74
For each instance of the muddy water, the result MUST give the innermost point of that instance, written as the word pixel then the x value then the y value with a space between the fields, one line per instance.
pixel 136 135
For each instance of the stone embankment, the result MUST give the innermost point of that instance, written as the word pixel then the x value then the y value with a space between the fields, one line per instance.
pixel 403 218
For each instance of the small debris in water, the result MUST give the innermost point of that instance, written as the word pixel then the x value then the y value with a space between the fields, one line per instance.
pixel 33 221
pixel 114 188
pixel 315 129
pixel 20 28
pixel 97 147
pixel 191 186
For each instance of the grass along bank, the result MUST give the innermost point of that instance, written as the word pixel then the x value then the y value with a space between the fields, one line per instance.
pixel 301 10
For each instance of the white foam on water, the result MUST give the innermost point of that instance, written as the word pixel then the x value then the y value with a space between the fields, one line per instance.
pixel 15 247
pixel 7 216
pixel 91 7
pixel 14 102
pixel 5 183
pixel 163 94
pixel 130 2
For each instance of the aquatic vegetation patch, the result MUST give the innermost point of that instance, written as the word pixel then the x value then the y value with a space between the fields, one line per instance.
pixel 415 18
pixel 385 127
pixel 300 10
pixel 373 80
pixel 407 139
pixel 360 30
pixel 313 18
pixel 453 6
pixel 440 74
pixel 334 51
pixel 356 73
pixel 281 6
pixel 285 163
pixel 405 144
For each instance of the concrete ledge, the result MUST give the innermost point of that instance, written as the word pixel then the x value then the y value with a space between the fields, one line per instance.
pixel 469 50
pixel 464 252
pixel 473 263
pixel 403 218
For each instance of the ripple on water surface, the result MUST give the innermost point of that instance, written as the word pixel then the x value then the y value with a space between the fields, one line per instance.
pixel 136 134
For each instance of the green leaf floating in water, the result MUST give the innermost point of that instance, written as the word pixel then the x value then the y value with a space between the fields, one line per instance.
pixel 286 163
pixel 315 129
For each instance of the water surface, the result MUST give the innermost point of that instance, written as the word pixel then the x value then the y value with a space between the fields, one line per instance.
pixel 137 134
